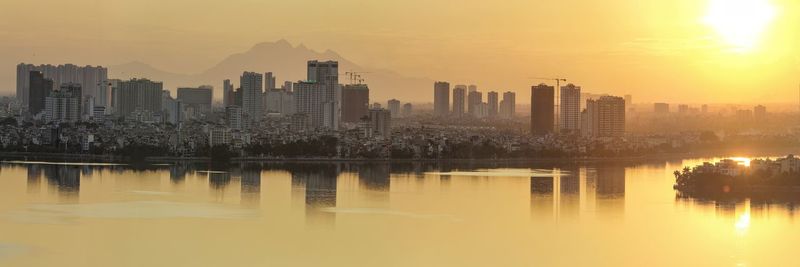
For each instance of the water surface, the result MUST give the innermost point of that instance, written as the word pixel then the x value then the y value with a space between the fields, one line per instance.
pixel 380 214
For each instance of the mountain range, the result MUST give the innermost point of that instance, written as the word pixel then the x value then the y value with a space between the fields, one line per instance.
pixel 287 63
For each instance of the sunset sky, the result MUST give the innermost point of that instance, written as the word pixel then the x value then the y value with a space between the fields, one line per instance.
pixel 692 51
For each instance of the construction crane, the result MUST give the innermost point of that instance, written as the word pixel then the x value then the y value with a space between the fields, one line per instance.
pixel 557 110
pixel 355 76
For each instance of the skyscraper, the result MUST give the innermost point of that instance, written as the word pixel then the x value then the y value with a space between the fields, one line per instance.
pixel 381 122
pixel 508 107
pixel 252 93
pixel 326 75
pixel 459 98
pixel 197 99
pixel 39 88
pixel 661 107
pixel 227 93
pixel 394 107
pixel 269 81
pixel 570 108
pixel 542 110
pixel 64 104
pixel 92 79
pixel 441 98
pixel 137 94
pixel 492 98
pixel 407 109
pixel 605 117
pixel 475 98
pixel 355 102
pixel 279 101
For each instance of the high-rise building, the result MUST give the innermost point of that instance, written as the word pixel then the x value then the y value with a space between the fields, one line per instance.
pixel 355 102
pixel 233 114
pixel 481 110
pixel 197 99
pixel 312 99
pixel 172 110
pixel 137 94
pixel 326 75
pixel 38 89
pixel 441 98
pixel 542 110
pixel 252 95
pixel 683 108
pixel 394 108
pixel 604 117
pixel 628 100
pixel 407 109
pixel 269 81
pixel 508 106
pixel 472 88
pixel 661 107
pixel 760 113
pixel 92 79
pixel 279 101
pixel 570 108
pixel 381 122
pixel 64 104
pixel 287 86
pixel 492 102
pixel 459 99
pixel 228 98
pixel 474 98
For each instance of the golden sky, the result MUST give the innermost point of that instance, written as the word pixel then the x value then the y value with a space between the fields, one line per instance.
pixel 689 51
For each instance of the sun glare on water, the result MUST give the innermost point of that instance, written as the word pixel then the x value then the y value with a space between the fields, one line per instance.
pixel 740 23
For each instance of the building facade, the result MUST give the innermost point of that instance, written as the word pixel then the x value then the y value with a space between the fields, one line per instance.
pixel 542 110
pixel 441 98
pixel 570 108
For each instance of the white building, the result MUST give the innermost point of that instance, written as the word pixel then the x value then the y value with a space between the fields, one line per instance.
pixel 64 105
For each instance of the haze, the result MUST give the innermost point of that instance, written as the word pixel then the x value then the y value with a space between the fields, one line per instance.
pixel 655 50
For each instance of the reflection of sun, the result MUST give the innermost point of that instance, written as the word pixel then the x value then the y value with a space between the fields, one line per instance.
pixel 740 22
pixel 743 222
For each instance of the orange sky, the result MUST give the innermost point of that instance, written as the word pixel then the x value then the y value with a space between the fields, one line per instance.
pixel 656 50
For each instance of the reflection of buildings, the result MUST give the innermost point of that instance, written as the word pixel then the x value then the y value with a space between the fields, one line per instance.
pixel 219 180
pixel 542 196
pixel 319 184
pixel 177 173
pixel 572 192
pixel 66 179
pixel 374 176
pixel 34 178
pixel 251 186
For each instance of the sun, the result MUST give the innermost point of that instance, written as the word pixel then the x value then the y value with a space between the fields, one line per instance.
pixel 740 23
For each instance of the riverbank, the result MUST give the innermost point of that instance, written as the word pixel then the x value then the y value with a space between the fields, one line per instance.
pixel 583 159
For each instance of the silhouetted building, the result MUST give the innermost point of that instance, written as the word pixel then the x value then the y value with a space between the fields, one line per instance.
pixel 407 109
pixel 661 108
pixel 570 108
pixel 355 102
pixel 542 109
pixel 197 99
pixel 228 99
pixel 508 106
pixel 475 98
pixel 381 122
pixel 137 94
pixel 394 107
pixel 492 102
pixel 38 90
pixel 441 98
pixel 252 93
pixel 459 99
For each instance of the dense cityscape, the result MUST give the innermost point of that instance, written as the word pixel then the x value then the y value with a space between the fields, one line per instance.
pixel 67 109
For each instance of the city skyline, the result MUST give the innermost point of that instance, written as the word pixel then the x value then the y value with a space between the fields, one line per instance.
pixel 643 56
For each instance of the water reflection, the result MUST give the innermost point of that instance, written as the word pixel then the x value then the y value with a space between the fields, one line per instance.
pixel 573 191
pixel 318 184
pixel 65 179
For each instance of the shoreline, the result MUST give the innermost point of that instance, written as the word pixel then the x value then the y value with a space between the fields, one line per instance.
pixel 725 152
